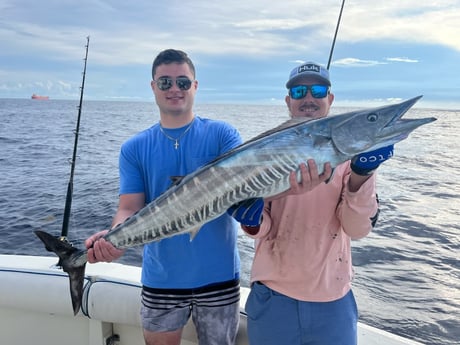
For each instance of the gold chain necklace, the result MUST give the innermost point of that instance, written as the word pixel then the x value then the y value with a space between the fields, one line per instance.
pixel 176 140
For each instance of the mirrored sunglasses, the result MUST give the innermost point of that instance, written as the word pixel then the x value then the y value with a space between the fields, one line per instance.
pixel 165 83
pixel 300 91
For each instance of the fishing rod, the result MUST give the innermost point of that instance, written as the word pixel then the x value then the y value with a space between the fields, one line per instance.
pixel 68 201
pixel 335 35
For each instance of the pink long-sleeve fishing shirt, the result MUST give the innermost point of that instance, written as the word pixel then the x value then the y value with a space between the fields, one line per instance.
pixel 303 247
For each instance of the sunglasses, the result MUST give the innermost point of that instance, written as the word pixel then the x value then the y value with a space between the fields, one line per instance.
pixel 300 91
pixel 165 83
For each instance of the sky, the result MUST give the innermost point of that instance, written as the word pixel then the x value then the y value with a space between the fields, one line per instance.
pixel 243 51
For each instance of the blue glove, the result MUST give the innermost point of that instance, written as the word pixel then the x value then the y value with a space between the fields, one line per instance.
pixel 365 163
pixel 248 212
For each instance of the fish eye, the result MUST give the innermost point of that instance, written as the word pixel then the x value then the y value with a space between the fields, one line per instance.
pixel 372 117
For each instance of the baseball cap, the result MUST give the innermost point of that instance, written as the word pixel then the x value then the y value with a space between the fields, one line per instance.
pixel 309 69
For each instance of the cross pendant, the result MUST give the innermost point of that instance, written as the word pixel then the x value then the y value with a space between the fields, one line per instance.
pixel 176 145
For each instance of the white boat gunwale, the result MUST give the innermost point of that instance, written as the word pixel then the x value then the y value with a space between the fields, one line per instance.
pixel 35 302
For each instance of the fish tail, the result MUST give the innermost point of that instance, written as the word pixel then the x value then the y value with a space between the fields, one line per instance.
pixel 68 256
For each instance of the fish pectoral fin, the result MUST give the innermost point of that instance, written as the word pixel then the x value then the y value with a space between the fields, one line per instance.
pixel 194 232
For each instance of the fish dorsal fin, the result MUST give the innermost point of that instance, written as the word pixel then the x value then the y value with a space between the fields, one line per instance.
pixel 287 124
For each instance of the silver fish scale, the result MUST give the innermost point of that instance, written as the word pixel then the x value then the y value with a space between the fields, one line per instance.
pixel 261 168
pixel 207 196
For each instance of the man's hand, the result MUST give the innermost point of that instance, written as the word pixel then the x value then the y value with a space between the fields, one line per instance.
pixel 366 163
pixel 309 177
pixel 101 250
pixel 248 212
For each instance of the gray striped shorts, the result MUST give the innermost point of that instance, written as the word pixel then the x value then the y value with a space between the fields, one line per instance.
pixel 214 310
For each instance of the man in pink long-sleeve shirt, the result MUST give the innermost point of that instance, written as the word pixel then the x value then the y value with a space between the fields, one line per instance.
pixel 302 270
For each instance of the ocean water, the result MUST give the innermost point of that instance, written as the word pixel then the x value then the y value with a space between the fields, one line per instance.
pixel 407 271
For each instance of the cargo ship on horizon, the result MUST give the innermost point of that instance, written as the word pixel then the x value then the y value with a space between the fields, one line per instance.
pixel 34 96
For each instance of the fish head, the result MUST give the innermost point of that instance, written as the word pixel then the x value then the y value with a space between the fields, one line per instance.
pixel 370 129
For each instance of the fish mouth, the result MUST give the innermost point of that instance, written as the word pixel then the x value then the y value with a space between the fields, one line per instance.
pixel 397 128
pixel 403 108
pixel 401 129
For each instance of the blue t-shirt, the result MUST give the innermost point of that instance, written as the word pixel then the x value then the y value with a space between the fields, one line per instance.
pixel 147 162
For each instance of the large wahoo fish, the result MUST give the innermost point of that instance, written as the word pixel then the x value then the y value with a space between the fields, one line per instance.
pixel 257 168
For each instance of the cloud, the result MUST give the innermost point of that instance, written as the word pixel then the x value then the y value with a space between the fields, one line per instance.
pixel 401 59
pixel 354 62
pixel 411 21
pixel 245 40
pixel 125 34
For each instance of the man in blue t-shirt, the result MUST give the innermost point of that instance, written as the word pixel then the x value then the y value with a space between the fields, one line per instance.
pixel 179 277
